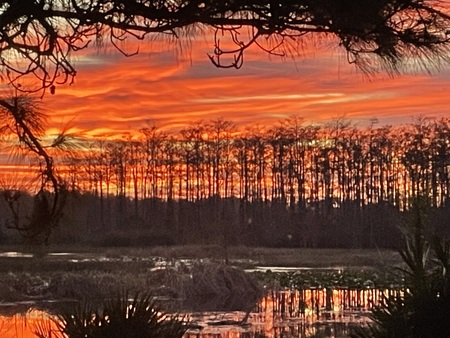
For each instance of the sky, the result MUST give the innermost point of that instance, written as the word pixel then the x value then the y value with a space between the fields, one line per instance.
pixel 171 84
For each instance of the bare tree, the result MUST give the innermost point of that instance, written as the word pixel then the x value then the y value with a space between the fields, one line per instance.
pixel 441 161
pixel 38 37
pixel 153 141
pixel 221 133
pixel 192 146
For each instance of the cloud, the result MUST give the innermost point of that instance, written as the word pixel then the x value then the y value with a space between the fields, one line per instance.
pixel 172 85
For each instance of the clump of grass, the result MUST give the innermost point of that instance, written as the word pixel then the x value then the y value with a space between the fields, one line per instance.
pixel 220 287
pixel 116 318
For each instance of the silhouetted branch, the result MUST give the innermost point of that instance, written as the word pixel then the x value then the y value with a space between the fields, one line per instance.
pixel 38 37
pixel 25 120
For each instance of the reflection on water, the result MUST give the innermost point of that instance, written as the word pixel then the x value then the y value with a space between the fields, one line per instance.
pixel 297 314
pixel 14 254
pixel 279 314
pixel 24 325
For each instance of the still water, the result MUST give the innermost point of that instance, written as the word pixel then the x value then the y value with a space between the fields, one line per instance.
pixel 330 313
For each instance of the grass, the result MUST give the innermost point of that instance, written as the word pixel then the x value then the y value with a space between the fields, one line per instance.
pixel 160 270
pixel 200 286
pixel 219 287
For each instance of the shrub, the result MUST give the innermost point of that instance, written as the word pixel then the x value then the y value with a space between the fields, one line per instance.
pixel 118 318
pixel 424 309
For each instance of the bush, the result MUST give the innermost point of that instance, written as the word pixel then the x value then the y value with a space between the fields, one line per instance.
pixel 117 318
pixel 424 309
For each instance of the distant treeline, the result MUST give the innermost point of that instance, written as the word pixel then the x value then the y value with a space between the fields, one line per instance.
pixel 290 185
pixel 292 163
pixel 115 221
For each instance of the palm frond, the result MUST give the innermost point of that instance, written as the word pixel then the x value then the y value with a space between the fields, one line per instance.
pixel 120 317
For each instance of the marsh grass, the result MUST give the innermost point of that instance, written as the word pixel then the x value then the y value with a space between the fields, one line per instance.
pixel 173 272
pixel 119 317
pixel 200 285
pixel 305 257
pixel 220 287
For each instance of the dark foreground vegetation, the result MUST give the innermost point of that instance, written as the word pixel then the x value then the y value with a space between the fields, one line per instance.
pixel 424 308
pixel 120 317
pixel 378 35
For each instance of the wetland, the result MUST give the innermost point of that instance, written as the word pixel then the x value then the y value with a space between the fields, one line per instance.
pixel 263 292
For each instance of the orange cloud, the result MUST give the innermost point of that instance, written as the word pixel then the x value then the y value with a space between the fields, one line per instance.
pixel 171 87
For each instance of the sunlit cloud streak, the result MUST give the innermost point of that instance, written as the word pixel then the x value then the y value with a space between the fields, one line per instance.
pixel 113 94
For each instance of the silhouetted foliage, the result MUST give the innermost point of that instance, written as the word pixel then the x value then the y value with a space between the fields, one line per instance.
pixel 182 222
pixel 25 120
pixel 119 317
pixel 45 33
pixel 424 308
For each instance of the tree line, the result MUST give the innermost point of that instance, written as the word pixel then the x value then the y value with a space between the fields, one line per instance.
pixel 292 184
pixel 296 164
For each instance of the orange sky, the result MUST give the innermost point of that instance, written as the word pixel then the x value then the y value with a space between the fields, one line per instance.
pixel 113 94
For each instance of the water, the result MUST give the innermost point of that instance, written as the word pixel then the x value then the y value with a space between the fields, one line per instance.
pixel 296 314
pixel 15 254
pixel 280 314
pixel 291 314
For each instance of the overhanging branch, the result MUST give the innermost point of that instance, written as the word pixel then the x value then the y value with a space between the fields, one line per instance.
pixel 37 37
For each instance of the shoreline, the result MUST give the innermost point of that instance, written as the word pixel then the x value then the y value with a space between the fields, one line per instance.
pixel 96 273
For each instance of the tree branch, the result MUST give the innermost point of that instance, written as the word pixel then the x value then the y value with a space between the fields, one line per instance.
pixel 373 32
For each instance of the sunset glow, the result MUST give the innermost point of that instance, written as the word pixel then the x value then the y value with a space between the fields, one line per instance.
pixel 114 94
pixel 183 168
